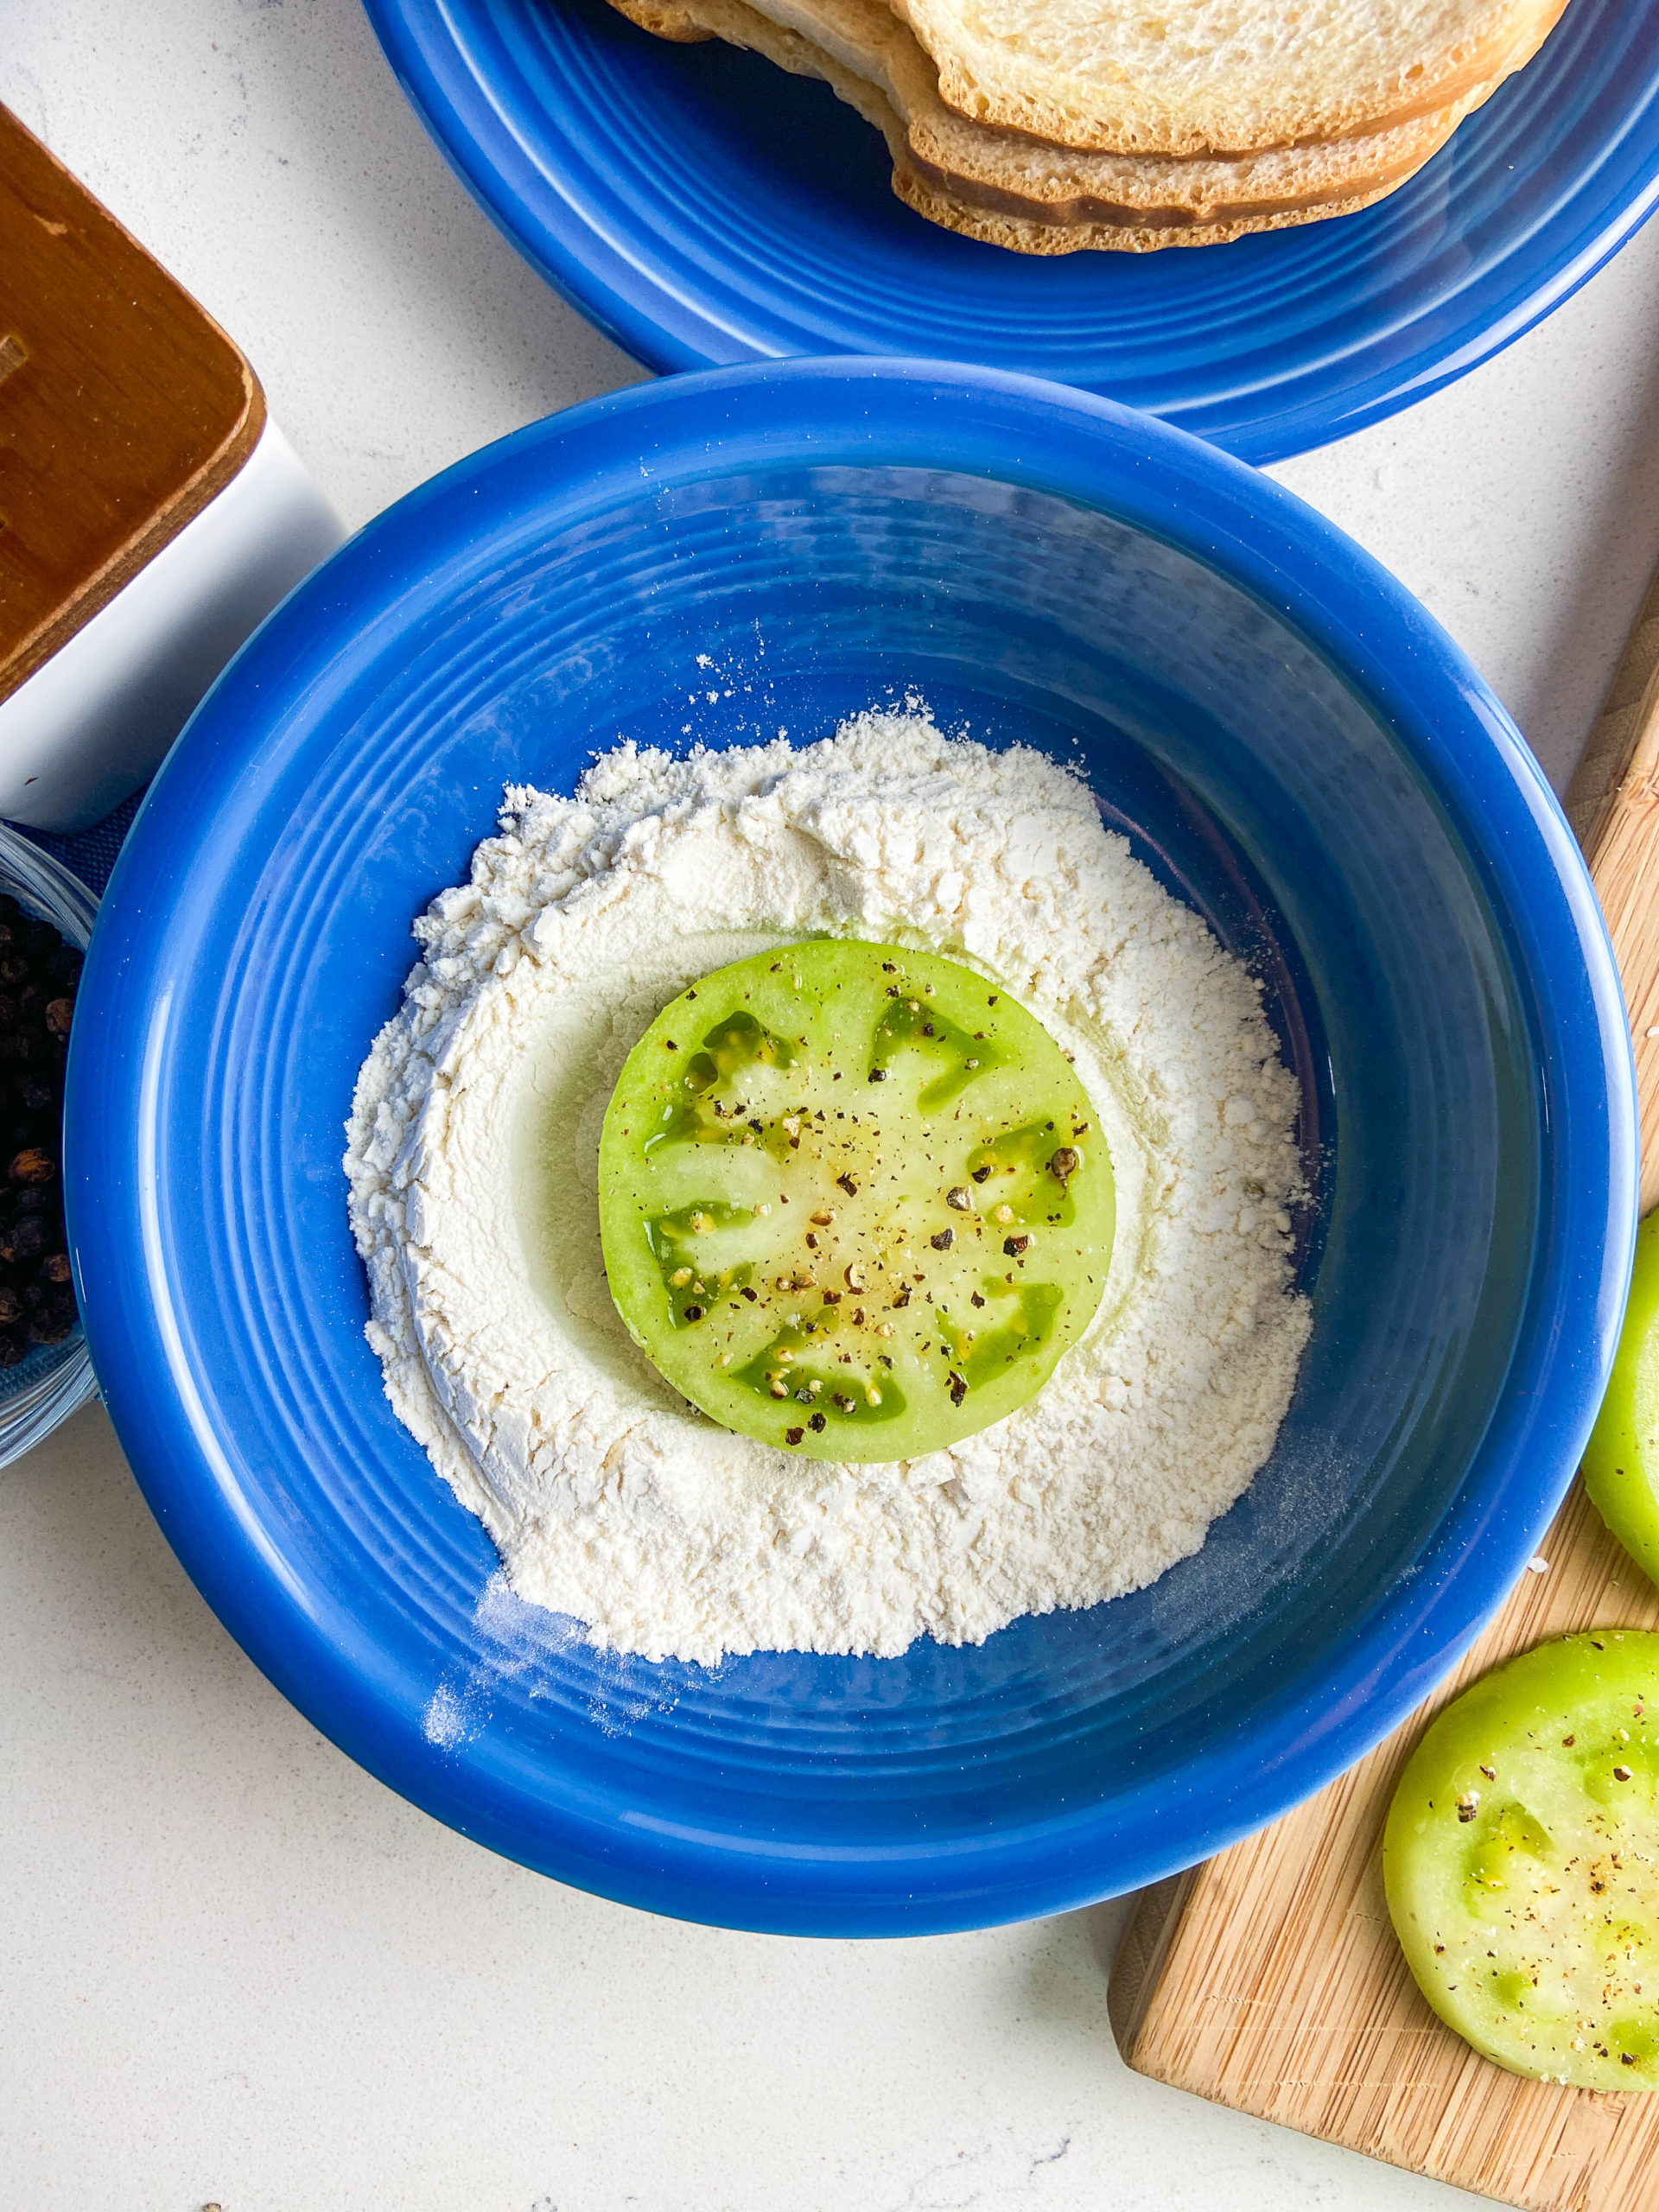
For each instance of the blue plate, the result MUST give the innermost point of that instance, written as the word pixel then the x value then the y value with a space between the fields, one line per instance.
pixel 703 207
pixel 1295 747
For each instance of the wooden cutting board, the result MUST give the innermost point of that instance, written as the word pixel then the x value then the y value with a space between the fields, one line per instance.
pixel 1269 1978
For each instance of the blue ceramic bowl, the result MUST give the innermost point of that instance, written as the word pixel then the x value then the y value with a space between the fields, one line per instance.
pixel 1296 748
pixel 703 207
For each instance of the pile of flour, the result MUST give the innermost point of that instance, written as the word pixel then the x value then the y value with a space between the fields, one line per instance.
pixel 473 1155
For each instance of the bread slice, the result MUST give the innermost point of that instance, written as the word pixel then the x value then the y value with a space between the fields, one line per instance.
pixel 665 20
pixel 1218 76
pixel 1012 191
pixel 996 167
pixel 1021 232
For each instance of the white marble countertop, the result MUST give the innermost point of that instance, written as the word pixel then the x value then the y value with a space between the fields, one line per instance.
pixel 238 1971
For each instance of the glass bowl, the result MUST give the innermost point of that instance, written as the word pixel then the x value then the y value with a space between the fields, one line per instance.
pixel 55 1379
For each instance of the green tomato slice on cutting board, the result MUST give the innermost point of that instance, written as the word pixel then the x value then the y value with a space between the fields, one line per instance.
pixel 853 1200
pixel 1521 1860
pixel 1621 1462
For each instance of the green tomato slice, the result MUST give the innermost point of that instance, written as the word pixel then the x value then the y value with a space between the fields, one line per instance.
pixel 1521 1860
pixel 853 1200
pixel 1621 1462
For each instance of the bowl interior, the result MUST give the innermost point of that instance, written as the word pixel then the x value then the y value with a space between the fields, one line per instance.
pixel 1259 788
pixel 1355 816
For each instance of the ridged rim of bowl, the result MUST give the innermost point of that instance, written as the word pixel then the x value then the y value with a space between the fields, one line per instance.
pixel 1267 346
pixel 46 887
pixel 859 412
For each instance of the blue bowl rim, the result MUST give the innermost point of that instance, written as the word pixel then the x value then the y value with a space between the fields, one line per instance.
pixel 474 129
pixel 850 411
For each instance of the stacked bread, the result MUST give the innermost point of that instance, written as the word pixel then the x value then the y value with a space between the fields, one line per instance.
pixel 1052 125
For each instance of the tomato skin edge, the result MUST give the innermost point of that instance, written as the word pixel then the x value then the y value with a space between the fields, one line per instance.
pixel 1564 1687
pixel 1621 1461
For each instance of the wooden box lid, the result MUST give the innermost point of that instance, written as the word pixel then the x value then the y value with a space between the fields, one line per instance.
pixel 124 407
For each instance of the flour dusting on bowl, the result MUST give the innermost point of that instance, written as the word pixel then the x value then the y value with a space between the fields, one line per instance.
pixel 473 1163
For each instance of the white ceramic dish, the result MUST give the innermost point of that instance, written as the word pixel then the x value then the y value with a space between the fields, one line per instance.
pixel 93 722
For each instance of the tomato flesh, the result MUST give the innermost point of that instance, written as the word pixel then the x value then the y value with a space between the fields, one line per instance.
pixel 1521 1860
pixel 853 1199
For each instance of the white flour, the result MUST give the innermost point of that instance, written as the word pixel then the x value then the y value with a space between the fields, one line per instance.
pixel 473 1162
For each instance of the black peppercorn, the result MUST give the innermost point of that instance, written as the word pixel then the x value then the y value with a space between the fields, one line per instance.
pixel 39 975
pixel 24 1240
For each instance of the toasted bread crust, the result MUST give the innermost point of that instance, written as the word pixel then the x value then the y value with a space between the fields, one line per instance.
pixel 1011 191
pixel 1008 189
pixel 864 37
pixel 1213 216
pixel 1020 234
pixel 664 20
